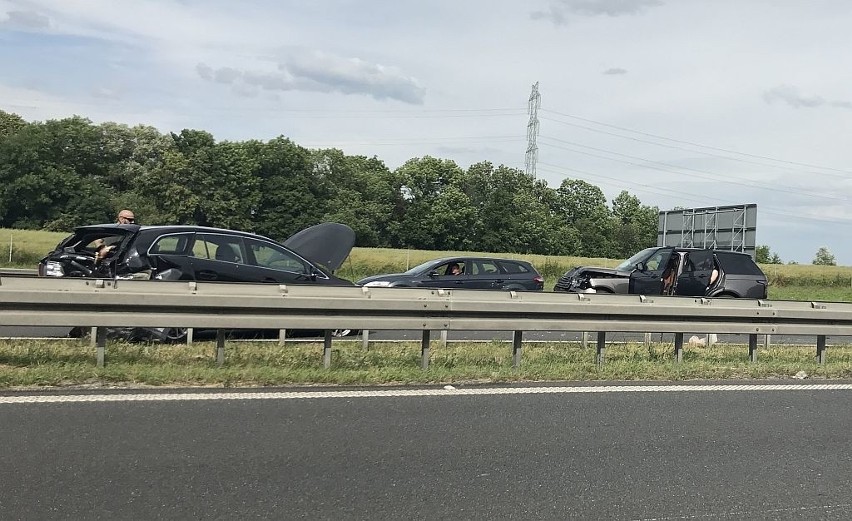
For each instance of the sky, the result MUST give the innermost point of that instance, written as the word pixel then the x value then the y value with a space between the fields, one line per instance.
pixel 682 103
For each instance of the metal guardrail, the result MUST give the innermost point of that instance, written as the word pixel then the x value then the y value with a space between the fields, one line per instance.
pixel 127 303
pixel 18 272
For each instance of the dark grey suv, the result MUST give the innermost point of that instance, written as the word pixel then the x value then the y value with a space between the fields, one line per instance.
pixel 673 271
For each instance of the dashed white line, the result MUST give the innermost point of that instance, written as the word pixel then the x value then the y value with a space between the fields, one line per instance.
pixel 396 393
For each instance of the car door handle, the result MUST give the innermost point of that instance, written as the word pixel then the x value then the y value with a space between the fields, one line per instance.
pixel 499 281
pixel 459 282
pixel 207 275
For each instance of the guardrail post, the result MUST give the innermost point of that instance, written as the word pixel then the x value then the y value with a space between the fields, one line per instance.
pixel 326 349
pixel 93 337
pixel 517 338
pixel 767 341
pixel 444 335
pixel 424 350
pixel 820 354
pixel 220 347
pixel 282 337
pixel 752 348
pixel 365 339
pixel 678 345
pixel 585 340
pixel 647 340
pixel 99 335
pixel 190 335
pixel 601 347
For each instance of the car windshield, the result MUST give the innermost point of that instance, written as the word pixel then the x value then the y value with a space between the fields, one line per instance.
pixel 631 263
pixel 420 267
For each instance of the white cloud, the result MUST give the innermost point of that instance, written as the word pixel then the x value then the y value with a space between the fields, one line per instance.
pixel 27 20
pixel 794 97
pixel 559 11
pixel 316 71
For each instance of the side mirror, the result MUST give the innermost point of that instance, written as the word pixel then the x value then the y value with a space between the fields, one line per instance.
pixel 432 274
pixel 641 266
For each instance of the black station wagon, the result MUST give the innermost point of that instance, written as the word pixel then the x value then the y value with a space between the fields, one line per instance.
pixel 200 253
pixel 464 273
pixel 130 251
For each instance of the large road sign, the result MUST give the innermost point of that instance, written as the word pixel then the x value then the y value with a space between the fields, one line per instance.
pixel 718 227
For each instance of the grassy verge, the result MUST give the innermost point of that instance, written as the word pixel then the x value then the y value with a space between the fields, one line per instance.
pixel 67 363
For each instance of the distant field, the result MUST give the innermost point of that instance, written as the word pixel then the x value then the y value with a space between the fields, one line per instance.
pixel 786 282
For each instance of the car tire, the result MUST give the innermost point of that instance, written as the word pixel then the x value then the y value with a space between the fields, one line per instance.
pixel 175 335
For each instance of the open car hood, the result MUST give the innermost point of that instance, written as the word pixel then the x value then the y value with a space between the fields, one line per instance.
pixel 327 243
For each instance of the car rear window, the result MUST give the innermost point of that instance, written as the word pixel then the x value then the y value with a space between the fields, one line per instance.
pixel 737 263
pixel 89 240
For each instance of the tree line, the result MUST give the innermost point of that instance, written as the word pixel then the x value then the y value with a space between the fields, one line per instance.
pixel 63 173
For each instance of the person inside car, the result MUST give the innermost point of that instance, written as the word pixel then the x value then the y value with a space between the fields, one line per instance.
pixel 105 247
pixel 454 269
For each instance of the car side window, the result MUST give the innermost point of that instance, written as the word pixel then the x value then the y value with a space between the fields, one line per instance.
pixel 698 261
pixel 487 268
pixel 224 248
pixel 200 248
pixel 174 244
pixel 270 256
pixel 447 269
pixel 658 260
pixel 513 267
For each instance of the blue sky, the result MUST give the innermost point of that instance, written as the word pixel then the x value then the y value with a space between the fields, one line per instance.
pixel 686 103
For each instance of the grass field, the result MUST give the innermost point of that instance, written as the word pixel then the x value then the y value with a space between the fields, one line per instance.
pixel 64 363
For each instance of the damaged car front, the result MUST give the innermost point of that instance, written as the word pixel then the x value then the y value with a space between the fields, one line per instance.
pixel 589 279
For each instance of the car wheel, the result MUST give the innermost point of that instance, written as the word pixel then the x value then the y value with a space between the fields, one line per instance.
pixel 175 334
pixel 340 332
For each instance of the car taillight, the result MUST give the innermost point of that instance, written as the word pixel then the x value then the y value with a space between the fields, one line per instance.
pixel 539 279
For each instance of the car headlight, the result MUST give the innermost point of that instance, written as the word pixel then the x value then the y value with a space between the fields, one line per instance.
pixel 54 269
pixel 378 284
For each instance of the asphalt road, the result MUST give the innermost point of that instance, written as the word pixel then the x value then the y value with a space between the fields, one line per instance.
pixel 714 454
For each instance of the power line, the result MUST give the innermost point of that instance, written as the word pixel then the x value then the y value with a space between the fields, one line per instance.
pixel 691 150
pixel 703 174
pixel 699 198
pixel 756 156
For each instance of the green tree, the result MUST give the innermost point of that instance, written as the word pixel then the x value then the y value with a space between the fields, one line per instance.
pixel 634 227
pixel 824 257
pixel 363 194
pixel 583 208
pixel 10 123
pixel 292 195
pixel 762 254
pixel 49 176
pixel 428 183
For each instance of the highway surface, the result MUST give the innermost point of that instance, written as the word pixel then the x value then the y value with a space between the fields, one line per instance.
pixel 518 452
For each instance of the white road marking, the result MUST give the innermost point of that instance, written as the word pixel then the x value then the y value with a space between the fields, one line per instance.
pixel 395 393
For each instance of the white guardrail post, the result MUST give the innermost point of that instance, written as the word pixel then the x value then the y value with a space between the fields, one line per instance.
pixel 45 302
